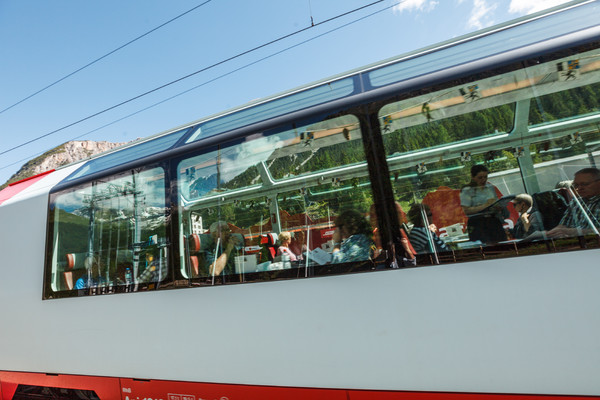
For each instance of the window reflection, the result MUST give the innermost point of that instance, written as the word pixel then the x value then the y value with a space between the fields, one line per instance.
pixel 110 236
pixel 276 198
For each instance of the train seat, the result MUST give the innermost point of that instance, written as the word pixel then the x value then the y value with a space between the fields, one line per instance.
pixel 268 244
pixel 198 243
pixel 552 205
pixel 72 271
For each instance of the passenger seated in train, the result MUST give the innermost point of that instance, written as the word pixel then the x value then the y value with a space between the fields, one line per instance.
pixel 298 244
pixel 93 276
pixel 285 239
pixel 220 257
pixel 583 213
pixel 153 271
pixel 351 238
pixel 423 236
pixel 484 222
pixel 530 220
pixel 409 260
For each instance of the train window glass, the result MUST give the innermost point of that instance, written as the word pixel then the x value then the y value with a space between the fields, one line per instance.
pixel 501 41
pixel 233 211
pixel 226 169
pixel 432 196
pixel 129 154
pixel 322 146
pixel 564 126
pixel 325 216
pixel 567 90
pixel 110 236
pixel 284 105
pixel 456 115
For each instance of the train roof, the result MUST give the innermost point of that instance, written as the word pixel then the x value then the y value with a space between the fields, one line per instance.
pixel 561 25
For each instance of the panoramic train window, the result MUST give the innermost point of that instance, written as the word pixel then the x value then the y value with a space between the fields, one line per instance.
pixel 280 106
pixel 289 202
pixel 566 114
pixel 128 154
pixel 492 162
pixel 430 194
pixel 454 115
pixel 483 47
pixel 564 124
pixel 109 236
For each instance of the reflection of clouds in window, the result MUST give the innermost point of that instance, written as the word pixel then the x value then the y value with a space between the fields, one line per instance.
pixel 236 160
pixel 71 201
pixel 154 192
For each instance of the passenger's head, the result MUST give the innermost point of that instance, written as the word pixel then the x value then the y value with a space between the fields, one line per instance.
pixel 220 229
pixel 479 174
pixel 522 202
pixel 587 182
pixel 284 238
pixel 417 212
pixel 564 185
pixel 351 222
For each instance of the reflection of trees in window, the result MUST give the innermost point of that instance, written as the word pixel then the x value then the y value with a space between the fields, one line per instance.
pixel 568 103
pixel 249 177
pixel 72 230
pixel 449 130
pixel 323 202
pixel 318 159
pixel 559 148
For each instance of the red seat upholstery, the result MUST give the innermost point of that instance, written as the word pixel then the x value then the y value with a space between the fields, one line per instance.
pixel 194 263
pixel 268 242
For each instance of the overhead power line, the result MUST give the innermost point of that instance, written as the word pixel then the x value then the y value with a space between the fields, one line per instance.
pixel 214 79
pixel 103 57
pixel 189 75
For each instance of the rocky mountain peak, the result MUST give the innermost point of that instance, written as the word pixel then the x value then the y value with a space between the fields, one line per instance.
pixel 61 155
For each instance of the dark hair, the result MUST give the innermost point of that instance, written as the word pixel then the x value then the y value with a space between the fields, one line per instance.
pixel 415 214
pixel 354 222
pixel 477 168
pixel 591 171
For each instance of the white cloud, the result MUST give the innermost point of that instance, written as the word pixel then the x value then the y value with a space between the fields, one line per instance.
pixel 481 14
pixel 420 5
pixel 531 6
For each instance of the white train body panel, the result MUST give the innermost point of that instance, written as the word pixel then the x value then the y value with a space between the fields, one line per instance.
pixel 517 325
pixel 484 317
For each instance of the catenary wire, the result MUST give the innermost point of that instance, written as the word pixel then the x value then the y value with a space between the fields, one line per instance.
pixel 212 80
pixel 188 76
pixel 104 56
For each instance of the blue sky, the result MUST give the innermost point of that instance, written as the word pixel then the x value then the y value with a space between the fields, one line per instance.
pixel 43 41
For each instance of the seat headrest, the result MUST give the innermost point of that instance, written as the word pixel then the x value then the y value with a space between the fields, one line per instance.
pixel 70 261
pixel 268 239
pixel 194 263
pixel 200 242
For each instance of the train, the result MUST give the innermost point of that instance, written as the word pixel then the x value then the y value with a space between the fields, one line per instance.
pixel 155 270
